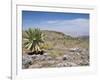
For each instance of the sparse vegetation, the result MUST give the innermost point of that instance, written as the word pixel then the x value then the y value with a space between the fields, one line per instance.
pixel 55 44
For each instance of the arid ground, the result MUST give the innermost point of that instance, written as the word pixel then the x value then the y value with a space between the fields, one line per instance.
pixel 59 50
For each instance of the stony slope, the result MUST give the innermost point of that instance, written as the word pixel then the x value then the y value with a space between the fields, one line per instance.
pixel 61 51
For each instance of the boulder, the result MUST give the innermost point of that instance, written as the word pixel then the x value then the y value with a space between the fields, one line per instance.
pixel 61 65
pixel 65 57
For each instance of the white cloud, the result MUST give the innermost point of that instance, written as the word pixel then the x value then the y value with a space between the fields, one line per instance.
pixel 52 21
pixel 74 27
pixel 78 22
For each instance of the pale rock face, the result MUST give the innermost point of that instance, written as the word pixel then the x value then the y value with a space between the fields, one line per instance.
pixel 35 66
pixel 62 64
pixel 48 58
pixel 45 54
pixel 34 56
pixel 71 64
pixel 75 50
pixel 59 58
pixel 78 53
pixel 26 61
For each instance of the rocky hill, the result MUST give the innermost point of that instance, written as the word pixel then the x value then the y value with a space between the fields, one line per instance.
pixel 61 50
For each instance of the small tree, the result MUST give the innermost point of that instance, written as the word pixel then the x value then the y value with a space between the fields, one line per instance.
pixel 33 38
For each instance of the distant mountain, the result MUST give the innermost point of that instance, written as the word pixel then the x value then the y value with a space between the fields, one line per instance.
pixel 84 37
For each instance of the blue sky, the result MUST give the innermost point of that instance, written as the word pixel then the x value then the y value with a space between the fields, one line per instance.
pixel 75 24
